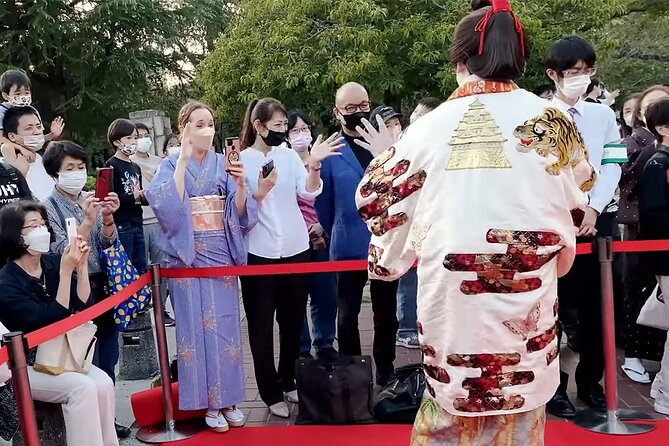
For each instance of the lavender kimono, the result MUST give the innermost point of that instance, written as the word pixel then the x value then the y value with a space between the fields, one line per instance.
pixel 208 327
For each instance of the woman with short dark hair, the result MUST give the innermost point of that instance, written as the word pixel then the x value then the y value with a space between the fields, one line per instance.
pixel 38 290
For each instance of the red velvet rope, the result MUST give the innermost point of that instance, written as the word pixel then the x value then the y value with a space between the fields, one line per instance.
pixel 56 329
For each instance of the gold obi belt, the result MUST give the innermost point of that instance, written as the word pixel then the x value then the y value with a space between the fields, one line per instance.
pixel 207 213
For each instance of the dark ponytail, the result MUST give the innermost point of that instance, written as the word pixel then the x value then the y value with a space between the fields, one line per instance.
pixel 504 47
pixel 263 110
pixel 248 132
pixel 478 4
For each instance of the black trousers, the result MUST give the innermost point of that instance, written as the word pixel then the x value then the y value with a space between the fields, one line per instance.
pixel 384 306
pixel 581 290
pixel 263 296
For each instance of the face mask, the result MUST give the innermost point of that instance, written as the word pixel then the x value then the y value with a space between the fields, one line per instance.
pixel 21 101
pixel 202 138
pixel 33 142
pixel 144 145
pixel 575 87
pixel 301 142
pixel 173 150
pixel 38 240
pixel 129 149
pixel 629 121
pixel 274 139
pixel 72 182
pixel 355 120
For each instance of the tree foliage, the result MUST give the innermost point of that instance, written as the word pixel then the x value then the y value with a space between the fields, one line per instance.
pixel 95 60
pixel 301 51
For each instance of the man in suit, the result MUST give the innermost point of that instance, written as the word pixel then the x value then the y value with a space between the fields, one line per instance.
pixel 349 236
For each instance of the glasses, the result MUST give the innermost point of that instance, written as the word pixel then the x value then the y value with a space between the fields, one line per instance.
pixel 297 130
pixel 576 72
pixel 35 225
pixel 363 106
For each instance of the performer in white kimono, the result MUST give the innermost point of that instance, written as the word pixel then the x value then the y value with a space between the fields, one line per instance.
pixel 485 192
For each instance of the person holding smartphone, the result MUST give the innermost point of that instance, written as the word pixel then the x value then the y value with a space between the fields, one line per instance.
pixel 205 212
pixel 277 178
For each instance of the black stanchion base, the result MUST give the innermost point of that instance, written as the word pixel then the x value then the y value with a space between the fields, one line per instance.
pixel 160 434
pixel 611 422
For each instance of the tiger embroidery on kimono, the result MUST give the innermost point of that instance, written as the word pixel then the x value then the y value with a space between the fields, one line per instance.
pixel 552 133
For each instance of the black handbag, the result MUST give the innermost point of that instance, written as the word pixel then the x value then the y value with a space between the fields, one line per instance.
pixel 400 399
pixel 335 393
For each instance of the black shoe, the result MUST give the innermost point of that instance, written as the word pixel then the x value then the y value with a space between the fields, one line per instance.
pixel 306 355
pixel 328 355
pixel 169 320
pixel 593 396
pixel 560 406
pixel 122 432
pixel 383 376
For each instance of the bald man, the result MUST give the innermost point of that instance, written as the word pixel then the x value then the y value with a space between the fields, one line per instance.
pixel 349 237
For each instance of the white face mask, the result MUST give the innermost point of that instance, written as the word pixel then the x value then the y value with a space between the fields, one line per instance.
pixel 33 142
pixel 173 151
pixel 38 240
pixel 144 145
pixel 575 87
pixel 72 182
pixel 301 142
pixel 629 120
pixel 21 101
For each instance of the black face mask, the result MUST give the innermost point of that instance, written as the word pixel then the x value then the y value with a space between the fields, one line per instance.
pixel 274 139
pixel 355 120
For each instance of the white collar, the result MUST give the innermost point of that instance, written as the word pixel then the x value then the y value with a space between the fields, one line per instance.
pixel 559 103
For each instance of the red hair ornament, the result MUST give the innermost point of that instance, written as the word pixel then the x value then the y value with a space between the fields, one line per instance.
pixel 500 6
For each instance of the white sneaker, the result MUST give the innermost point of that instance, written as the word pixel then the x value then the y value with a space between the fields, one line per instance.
pixel 291 396
pixel 655 387
pixel 280 410
pixel 662 403
pixel 216 421
pixel 234 416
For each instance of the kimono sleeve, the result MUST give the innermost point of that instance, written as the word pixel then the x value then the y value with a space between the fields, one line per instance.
pixel 237 227
pixel 173 213
pixel 387 201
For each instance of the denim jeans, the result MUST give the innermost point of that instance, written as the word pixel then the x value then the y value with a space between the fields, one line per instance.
pixel 407 291
pixel 322 307
pixel 132 239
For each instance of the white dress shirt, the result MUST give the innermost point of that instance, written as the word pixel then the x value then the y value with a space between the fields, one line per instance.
pixel 598 127
pixel 281 231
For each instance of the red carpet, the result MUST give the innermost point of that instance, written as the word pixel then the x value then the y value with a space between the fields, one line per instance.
pixel 557 434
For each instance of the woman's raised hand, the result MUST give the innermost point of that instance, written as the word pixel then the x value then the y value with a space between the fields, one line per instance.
pixel 324 149
pixel 186 145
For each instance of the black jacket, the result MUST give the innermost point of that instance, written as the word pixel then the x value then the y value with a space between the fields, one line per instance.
pixel 654 208
pixel 13 186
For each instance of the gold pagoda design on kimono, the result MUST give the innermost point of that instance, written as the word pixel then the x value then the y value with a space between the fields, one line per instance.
pixel 478 142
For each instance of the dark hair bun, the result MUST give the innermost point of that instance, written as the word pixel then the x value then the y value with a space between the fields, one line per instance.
pixel 478 4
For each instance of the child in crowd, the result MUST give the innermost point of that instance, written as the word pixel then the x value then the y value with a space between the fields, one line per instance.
pixel 654 225
pixel 16 92
pixel 122 135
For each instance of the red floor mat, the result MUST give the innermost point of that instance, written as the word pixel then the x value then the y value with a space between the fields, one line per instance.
pixel 557 434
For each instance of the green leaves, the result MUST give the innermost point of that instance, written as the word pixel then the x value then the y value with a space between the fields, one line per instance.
pixel 301 51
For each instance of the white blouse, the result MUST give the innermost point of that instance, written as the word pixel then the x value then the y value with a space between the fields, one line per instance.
pixel 281 231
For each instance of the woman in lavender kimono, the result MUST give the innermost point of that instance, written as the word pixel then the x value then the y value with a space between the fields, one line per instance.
pixel 207 310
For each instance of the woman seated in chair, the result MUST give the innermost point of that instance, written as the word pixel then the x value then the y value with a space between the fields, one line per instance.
pixel 38 290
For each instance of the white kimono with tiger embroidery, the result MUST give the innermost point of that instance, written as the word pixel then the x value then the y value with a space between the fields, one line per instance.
pixel 485 192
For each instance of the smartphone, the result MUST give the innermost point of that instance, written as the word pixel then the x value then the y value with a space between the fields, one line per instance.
pixel 231 152
pixel 71 228
pixel 267 168
pixel 104 183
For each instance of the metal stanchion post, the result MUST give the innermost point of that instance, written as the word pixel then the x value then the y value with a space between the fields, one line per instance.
pixel 170 431
pixel 610 422
pixel 18 365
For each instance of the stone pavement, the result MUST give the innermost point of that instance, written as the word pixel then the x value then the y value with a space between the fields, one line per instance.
pixel 631 395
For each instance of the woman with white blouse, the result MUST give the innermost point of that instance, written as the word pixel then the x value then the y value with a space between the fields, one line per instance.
pixel 277 177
